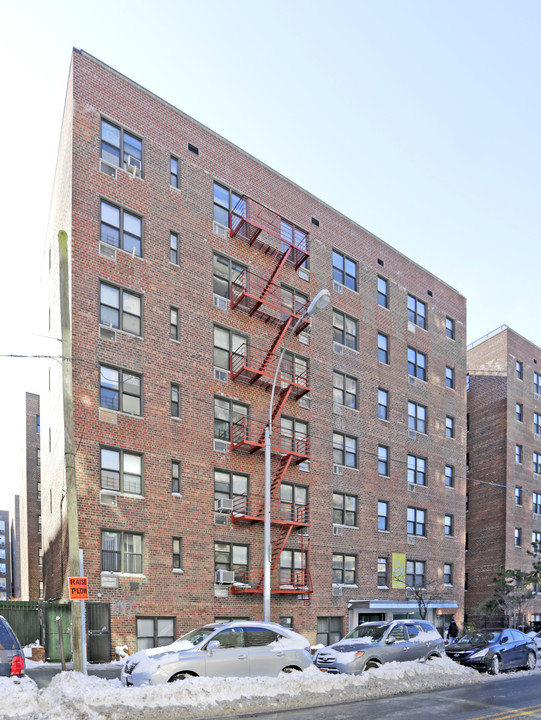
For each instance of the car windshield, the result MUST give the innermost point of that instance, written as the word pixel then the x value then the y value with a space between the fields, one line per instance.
pixel 479 637
pixel 371 633
pixel 194 637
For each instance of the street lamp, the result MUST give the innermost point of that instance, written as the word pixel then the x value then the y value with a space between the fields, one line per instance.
pixel 320 301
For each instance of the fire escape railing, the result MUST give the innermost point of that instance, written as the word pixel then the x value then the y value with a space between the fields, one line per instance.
pixel 255 367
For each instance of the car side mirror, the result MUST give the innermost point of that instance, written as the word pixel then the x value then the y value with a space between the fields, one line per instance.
pixel 213 644
pixel 390 640
pixel 505 639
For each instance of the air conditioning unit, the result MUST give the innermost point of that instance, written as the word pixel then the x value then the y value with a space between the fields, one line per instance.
pixel 221 518
pixel 304 466
pixel 411 487
pixel 107 251
pixel 108 499
pixel 304 532
pixel 411 380
pixel 221 375
pixel 337 470
pixel 225 505
pixel 337 409
pixel 410 593
pixel 108 416
pixel 337 287
pixel 133 165
pixel 337 591
pixel 304 338
pixel 220 230
pixel 225 577
pixel 219 302
pixel 411 434
pixel 108 169
pixel 411 540
pixel 337 348
pixel 304 402
pixel 107 334
pixel 304 274
pixel 338 531
pixel 221 446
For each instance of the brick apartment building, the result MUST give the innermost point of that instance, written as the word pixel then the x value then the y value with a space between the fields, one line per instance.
pixel 504 457
pixel 5 556
pixel 191 263
pixel 31 561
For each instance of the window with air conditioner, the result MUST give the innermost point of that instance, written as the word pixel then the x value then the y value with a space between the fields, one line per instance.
pixel 230 488
pixel 121 471
pixel 226 272
pixel 120 308
pixel 231 558
pixel 121 228
pixel 120 148
pixel 120 390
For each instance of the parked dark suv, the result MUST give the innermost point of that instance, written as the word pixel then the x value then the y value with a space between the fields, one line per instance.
pixel 11 654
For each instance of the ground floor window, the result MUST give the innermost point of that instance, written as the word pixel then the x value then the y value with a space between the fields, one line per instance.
pixel 329 629
pixel 154 631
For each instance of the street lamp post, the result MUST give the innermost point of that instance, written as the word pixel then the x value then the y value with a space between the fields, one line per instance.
pixel 320 301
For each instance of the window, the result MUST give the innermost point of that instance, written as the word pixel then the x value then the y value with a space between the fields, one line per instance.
pixel 344 390
pixel 518 411
pixel 450 377
pixel 383 292
pixel 383 515
pixel 383 348
pixel 449 476
pixel 226 414
pixel 344 270
pixel 415 573
pixel 174 172
pixel 295 368
pixel 465 581
pixel 416 522
pixel 176 553
pixel 173 248
pixel 536 503
pixel 383 460
pixel 416 364
pixel 417 419
pixel 38 489
pixel 537 383
pixel 537 423
pixel 467 502
pixel 40 559
pixel 450 327
pixel 294 434
pixel 120 309
pixel 155 631
pixel 120 228
pixel 343 569
pixel 120 390
pixel 174 327
pixel 117 145
pixel 39 524
pixel 225 200
pixel 329 630
pixel 293 502
pixel 344 330
pixel 518 453
pixel 227 343
pixel 537 463
pixel 448 574
pixel 286 621
pixel 449 427
pixel 416 312
pixel 38 457
pixel 121 471
pixel 449 525
pixel 518 537
pixel 37 424
pixel 292 236
pixel 121 552
pixel 383 404
pixel 226 272
pixel 40 590
pixel 175 400
pixel 382 572
pixel 344 450
pixel 344 509
pixel 519 369
pixel 228 556
pixel 292 301
pixel 416 470
pixel 467 422
pixel 536 539
pixel 228 484
pixel 293 567
pixel 518 495
pixel 175 476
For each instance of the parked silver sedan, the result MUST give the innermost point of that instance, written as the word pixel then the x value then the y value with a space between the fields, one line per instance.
pixel 234 649
pixel 371 644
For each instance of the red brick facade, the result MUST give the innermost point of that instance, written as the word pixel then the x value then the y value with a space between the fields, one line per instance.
pixel 190 595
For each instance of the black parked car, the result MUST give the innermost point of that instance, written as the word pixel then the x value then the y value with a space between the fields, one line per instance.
pixel 11 654
pixel 494 650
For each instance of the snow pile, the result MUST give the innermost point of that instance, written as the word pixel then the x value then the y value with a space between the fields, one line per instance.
pixel 18 698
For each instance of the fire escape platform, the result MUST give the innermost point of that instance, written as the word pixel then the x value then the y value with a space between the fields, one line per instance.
pixel 253 583
pixel 254 367
pixel 250 508
pixel 245 439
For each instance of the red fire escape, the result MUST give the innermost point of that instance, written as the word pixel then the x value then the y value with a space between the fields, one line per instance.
pixel 263 298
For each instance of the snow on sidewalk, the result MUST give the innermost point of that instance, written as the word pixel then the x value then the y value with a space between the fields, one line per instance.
pixel 73 696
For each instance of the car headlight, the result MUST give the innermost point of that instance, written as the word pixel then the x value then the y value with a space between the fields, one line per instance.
pixel 479 654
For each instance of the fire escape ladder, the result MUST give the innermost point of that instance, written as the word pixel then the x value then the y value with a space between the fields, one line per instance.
pixel 285 532
pixel 285 462
pixel 270 281
pixel 277 340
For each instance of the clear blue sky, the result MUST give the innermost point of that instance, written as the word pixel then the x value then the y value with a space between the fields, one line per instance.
pixel 419 120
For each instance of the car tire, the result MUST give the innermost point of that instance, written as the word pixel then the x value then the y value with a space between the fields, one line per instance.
pixel 181 676
pixel 495 665
pixel 532 661
pixel 371 665
pixel 290 669
pixel 434 656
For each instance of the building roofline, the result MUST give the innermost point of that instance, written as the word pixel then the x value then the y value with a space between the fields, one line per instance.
pixel 497 331
pixel 260 162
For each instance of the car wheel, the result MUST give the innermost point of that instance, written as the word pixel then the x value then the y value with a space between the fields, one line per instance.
pixel 290 669
pixel 494 665
pixel 434 656
pixel 532 662
pixel 181 676
pixel 370 665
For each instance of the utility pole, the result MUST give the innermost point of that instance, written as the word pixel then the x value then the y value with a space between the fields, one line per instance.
pixel 69 448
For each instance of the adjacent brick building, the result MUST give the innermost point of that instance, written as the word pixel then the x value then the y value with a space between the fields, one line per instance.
pixel 504 461
pixel 192 263
pixel 30 506
pixel 5 556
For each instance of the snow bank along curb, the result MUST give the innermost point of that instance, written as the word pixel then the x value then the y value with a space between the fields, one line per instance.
pixel 72 696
